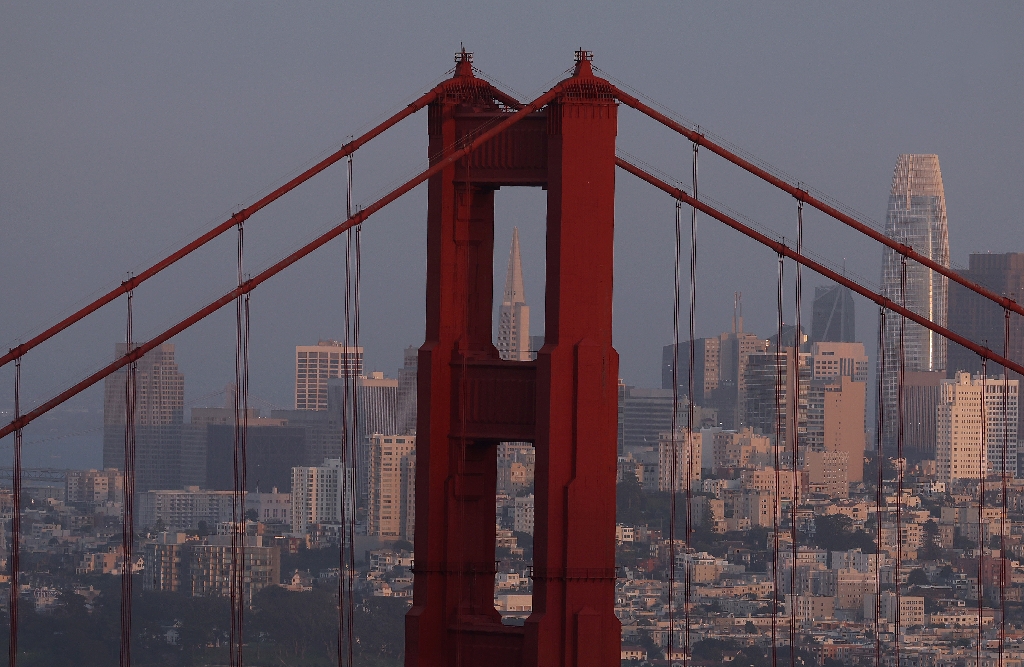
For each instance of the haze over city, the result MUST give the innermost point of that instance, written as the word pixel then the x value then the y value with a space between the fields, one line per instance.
pixel 131 130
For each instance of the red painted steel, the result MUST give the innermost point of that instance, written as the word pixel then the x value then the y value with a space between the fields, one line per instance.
pixel 785 250
pixel 565 402
pixel 804 196
pixel 234 220
pixel 265 275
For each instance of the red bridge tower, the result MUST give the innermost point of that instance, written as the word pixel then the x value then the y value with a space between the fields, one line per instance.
pixel 565 402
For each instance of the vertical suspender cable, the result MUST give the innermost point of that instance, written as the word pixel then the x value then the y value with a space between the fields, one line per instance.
pixel 674 436
pixel 795 426
pixel 982 473
pixel 241 402
pixel 900 463
pixel 350 496
pixel 345 649
pixel 128 522
pixel 777 500
pixel 688 563
pixel 350 437
pixel 12 646
pixel 880 485
pixel 1003 487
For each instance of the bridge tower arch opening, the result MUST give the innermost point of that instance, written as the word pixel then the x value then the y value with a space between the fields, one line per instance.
pixel 565 401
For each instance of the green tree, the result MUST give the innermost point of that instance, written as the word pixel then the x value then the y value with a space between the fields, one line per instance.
pixel 303 624
pixel 918 578
pixel 930 549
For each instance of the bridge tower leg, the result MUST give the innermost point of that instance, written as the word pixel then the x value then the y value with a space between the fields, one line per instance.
pixel 565 402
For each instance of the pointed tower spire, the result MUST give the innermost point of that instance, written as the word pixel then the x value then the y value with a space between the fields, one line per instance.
pixel 514 292
pixel 514 315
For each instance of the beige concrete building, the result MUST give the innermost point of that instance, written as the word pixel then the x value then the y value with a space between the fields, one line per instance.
pixel 835 420
pixel 392 471
pixel 827 473
pixel 94 486
pixel 739 449
pixel 959 450
pixel 687 460
pixel 316 364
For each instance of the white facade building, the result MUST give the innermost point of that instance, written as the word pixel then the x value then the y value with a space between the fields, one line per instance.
pixel 970 432
pixel 523 517
pixel 317 493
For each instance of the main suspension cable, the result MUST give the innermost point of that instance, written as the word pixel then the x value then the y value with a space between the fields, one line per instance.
pixel 128 522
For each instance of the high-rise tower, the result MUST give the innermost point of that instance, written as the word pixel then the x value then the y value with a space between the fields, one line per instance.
pixel 514 314
pixel 916 216
pixel 316 364
pixel 159 408
pixel 832 316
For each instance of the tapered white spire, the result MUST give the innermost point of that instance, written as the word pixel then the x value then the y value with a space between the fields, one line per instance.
pixel 514 314
pixel 514 292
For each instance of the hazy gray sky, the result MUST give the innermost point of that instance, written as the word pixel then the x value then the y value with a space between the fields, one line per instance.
pixel 129 128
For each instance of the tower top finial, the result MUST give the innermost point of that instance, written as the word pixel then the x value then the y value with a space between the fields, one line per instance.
pixel 463 61
pixel 583 67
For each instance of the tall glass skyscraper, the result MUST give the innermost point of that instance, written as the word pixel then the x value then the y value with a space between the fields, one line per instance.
pixel 916 216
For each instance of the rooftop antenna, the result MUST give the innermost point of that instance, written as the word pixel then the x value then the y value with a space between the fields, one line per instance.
pixel 737 312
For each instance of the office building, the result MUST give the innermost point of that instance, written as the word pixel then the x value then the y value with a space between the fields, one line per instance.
pixel 522 518
pixel 833 359
pixel 210 566
pixel 832 317
pixel 983 321
pixel 392 482
pixel 687 463
pixel 316 364
pixel 916 216
pixel 771 398
pixel 970 433
pixel 921 396
pixel 719 370
pixel 318 493
pixel 835 421
pixel 159 407
pixel 165 560
pixel 185 509
pixel 514 314
pixel 1002 417
pixel 736 449
pixel 270 506
pixel 203 567
pixel 94 486
pixel 407 391
pixel 962 445
pixel 827 473
pixel 645 413
pixel 271 449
